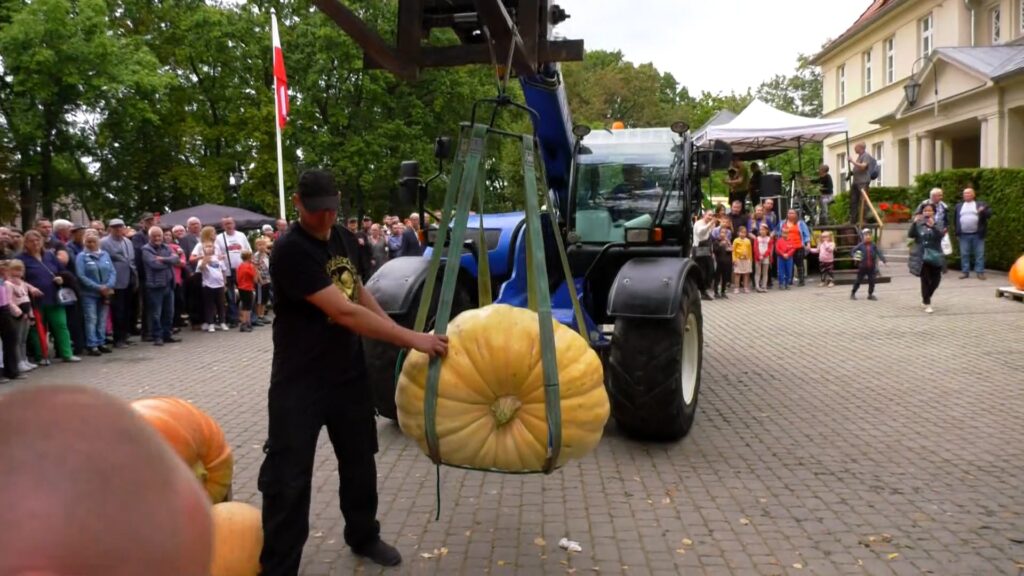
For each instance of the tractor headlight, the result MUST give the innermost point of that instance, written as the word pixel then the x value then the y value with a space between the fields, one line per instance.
pixel 638 235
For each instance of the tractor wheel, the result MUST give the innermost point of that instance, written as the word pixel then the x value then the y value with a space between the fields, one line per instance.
pixel 655 369
pixel 382 357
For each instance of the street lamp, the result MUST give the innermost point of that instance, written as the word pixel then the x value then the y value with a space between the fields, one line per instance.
pixel 912 89
pixel 235 180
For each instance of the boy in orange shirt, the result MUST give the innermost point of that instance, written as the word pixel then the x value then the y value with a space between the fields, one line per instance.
pixel 246 289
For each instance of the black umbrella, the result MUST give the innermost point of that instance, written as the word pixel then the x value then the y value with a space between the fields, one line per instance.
pixel 210 215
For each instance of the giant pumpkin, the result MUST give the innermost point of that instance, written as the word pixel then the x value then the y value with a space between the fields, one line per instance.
pixel 1017 274
pixel 490 408
pixel 237 539
pixel 196 438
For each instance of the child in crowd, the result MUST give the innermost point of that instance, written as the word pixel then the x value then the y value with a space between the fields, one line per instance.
pixel 866 255
pixel 8 331
pixel 764 246
pixel 785 249
pixel 261 260
pixel 742 262
pixel 246 289
pixel 20 295
pixel 212 269
pixel 826 252
pixel 721 240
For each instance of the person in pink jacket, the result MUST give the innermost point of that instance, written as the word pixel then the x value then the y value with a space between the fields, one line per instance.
pixel 764 246
pixel 826 252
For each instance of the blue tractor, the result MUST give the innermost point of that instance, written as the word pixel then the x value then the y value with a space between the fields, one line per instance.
pixel 623 203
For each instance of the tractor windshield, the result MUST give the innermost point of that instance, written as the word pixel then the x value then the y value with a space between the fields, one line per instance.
pixel 621 177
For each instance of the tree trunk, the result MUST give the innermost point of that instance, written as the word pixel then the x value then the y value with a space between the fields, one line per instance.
pixel 27 200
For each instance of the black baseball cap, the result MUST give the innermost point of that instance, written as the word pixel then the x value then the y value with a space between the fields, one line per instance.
pixel 318 191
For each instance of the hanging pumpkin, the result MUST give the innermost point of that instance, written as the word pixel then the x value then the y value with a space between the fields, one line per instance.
pixel 196 438
pixel 1017 274
pixel 490 407
pixel 237 539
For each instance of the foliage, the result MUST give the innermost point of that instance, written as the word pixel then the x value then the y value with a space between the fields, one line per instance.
pixel 1003 190
pixel 125 106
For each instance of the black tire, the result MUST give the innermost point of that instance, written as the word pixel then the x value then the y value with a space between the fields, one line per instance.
pixel 382 357
pixel 645 376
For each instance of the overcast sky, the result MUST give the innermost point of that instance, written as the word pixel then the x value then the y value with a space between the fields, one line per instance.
pixel 713 45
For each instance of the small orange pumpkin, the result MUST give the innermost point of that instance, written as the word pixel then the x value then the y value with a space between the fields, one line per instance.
pixel 237 539
pixel 194 436
pixel 1017 274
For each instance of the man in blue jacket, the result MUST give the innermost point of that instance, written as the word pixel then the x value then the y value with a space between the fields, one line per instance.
pixel 971 221
pixel 159 263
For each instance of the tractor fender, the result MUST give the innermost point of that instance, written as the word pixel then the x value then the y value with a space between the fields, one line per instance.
pixel 394 284
pixel 650 287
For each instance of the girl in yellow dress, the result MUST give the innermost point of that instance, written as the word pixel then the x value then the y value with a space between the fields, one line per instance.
pixel 742 261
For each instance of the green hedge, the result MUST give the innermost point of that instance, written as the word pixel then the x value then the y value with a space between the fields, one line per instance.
pixel 1001 188
pixel 840 208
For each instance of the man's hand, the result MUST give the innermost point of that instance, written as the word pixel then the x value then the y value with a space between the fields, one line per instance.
pixel 431 344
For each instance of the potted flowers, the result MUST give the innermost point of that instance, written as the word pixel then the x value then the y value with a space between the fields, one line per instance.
pixel 894 212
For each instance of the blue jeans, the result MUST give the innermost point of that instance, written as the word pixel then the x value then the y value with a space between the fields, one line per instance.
pixel 94 308
pixel 972 244
pixel 160 301
pixel 785 267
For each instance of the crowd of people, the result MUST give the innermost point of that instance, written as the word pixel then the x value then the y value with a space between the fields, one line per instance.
pixel 751 250
pixel 71 290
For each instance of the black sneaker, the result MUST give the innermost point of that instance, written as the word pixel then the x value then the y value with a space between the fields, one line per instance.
pixel 872 297
pixel 380 552
pixel 853 296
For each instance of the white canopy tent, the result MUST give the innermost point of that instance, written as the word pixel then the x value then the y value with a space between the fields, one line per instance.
pixel 761 129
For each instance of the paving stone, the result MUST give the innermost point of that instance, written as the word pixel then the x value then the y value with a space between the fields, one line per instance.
pixel 825 422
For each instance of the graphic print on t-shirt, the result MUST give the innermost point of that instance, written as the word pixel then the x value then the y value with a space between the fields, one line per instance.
pixel 343 273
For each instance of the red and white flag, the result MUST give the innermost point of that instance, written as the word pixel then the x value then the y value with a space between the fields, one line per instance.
pixel 280 78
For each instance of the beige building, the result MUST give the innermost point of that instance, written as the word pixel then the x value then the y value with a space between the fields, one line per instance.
pixel 961 62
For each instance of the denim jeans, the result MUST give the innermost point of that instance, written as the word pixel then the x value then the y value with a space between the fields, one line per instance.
pixel 972 244
pixel 160 305
pixel 94 307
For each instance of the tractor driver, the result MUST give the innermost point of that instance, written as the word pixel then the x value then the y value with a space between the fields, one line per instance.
pixel 632 180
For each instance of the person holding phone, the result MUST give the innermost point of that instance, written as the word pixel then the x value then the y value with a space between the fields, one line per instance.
pixel 926 259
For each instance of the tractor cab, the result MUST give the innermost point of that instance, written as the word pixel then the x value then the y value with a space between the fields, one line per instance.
pixel 622 177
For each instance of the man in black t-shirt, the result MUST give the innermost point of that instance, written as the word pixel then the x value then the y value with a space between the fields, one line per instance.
pixel 318 378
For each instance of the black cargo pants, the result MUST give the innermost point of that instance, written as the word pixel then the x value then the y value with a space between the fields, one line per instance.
pixel 297 413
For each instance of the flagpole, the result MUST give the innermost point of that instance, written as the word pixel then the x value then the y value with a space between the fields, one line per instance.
pixel 277 127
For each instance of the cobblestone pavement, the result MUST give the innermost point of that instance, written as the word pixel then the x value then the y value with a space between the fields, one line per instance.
pixel 833 437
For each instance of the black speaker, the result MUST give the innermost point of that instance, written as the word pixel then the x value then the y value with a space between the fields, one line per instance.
pixel 771 185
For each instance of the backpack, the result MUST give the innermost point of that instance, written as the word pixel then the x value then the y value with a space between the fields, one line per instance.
pixel 873 169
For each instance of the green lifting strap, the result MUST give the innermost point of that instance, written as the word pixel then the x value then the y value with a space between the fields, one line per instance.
pixel 537 280
pixel 466 183
pixel 483 276
pixel 570 282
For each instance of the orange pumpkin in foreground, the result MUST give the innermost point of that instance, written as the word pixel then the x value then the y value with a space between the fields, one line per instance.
pixel 237 539
pixel 196 437
pixel 1017 274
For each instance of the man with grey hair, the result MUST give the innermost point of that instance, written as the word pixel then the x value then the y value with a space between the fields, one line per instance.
pixel 159 263
pixel 122 254
pixel 935 201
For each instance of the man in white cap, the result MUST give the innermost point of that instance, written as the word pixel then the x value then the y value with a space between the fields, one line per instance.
pixel 122 253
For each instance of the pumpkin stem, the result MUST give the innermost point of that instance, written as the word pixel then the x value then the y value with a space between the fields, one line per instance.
pixel 200 471
pixel 505 408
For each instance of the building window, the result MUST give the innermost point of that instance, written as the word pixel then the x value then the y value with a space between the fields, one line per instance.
pixel 890 60
pixel 844 168
pixel 841 90
pixel 1020 16
pixel 926 35
pixel 995 17
pixel 877 151
pixel 867 72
